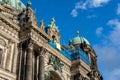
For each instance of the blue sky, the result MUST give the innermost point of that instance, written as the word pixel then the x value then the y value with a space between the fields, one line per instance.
pixel 97 20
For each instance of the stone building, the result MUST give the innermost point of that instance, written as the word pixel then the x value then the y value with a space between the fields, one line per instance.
pixel 32 52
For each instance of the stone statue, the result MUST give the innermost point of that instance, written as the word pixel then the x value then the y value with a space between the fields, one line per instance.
pixel 52 24
pixel 42 25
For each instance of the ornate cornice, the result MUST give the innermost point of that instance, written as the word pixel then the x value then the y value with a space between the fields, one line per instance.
pixel 7 31
pixel 8 22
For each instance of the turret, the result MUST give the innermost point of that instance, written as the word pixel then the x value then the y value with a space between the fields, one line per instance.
pixel 52 31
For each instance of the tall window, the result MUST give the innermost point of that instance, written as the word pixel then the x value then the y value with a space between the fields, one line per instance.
pixel 1 55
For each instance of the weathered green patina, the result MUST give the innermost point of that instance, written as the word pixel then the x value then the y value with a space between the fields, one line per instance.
pixel 56 63
pixel 47 74
pixel 17 4
pixel 53 25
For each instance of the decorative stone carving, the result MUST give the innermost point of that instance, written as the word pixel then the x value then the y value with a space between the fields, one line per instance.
pixel 94 75
pixel 47 75
pixel 30 43
pixel 42 51
pixel 27 16
pixel 78 76
pixel 55 62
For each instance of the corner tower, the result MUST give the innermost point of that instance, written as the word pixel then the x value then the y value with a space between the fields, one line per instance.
pixel 84 61
pixel 52 31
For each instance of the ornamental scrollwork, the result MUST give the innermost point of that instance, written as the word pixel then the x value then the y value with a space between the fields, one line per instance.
pixel 55 62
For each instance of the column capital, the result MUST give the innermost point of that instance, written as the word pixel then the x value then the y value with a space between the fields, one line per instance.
pixel 19 45
pixel 30 43
pixel 42 51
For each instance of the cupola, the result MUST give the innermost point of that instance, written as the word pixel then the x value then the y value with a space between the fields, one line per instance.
pixel 79 40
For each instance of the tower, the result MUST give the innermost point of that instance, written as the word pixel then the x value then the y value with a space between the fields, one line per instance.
pixel 82 52
pixel 52 31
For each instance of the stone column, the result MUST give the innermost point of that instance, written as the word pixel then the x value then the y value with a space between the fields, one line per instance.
pixel 41 64
pixel 19 61
pixel 29 63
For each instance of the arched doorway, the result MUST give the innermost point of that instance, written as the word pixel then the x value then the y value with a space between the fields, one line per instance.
pixel 53 76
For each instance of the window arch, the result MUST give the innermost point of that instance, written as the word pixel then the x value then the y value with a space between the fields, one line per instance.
pixel 1 56
pixel 2 51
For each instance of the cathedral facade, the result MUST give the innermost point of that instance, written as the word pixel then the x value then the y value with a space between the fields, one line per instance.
pixel 32 52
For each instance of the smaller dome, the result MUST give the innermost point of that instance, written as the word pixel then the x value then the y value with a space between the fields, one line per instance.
pixel 79 40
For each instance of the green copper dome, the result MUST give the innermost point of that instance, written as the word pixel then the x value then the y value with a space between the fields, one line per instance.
pixel 79 40
pixel 17 4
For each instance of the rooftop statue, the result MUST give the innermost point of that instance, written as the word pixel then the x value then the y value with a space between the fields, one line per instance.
pixel 52 24
pixel 42 26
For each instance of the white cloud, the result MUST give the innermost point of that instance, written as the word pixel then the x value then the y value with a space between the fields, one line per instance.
pixel 91 16
pixel 115 33
pixel 108 51
pixel 85 4
pixel 74 13
pixel 118 9
pixel 115 74
pixel 99 31
pixel 81 5
pixel 108 56
pixel 98 3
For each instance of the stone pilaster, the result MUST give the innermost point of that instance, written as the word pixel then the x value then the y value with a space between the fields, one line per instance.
pixel 29 63
pixel 14 67
pixel 10 56
pixel 41 64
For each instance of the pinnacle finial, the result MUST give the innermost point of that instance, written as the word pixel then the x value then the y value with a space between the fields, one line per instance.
pixel 42 25
pixel 77 32
pixel 29 3
pixel 53 19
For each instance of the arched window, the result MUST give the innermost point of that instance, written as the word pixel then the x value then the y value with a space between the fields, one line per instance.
pixel 1 56
pixel 2 51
